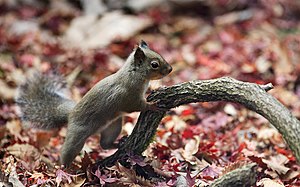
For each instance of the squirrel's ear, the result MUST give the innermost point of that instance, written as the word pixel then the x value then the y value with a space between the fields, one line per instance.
pixel 143 44
pixel 139 55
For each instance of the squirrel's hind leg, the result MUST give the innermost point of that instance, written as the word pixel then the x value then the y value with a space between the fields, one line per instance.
pixel 74 142
pixel 111 133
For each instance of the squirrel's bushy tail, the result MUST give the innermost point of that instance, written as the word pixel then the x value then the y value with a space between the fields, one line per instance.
pixel 43 102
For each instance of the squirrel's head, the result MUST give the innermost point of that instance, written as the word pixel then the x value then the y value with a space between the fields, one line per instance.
pixel 149 62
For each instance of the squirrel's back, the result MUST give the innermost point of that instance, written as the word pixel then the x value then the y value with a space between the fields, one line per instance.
pixel 43 102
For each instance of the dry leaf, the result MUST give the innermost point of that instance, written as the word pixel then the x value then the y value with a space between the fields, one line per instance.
pixel 292 174
pixel 24 151
pixel 267 133
pixel 2 132
pixel 92 33
pixel 283 66
pixel 266 182
pixel 285 96
pixel 276 163
pixel 43 138
pixel 230 109
pixel 14 127
pixel 14 178
pixel 262 64
pixel 177 124
pixel 191 148
pixel 6 92
pixel 78 181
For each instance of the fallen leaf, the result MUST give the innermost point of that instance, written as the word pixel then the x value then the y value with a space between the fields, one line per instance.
pixel 276 163
pixel 43 138
pixel 177 124
pixel 14 178
pixel 230 109
pixel 24 151
pixel 191 147
pixel 6 92
pixel 91 32
pixel 283 66
pixel 14 127
pixel 78 182
pixel 262 64
pixel 266 182
pixel 292 175
pixel 63 177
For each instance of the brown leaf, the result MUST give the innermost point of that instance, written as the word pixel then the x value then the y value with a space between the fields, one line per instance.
pixel 103 31
pixel 191 147
pixel 24 151
pixel 283 66
pixel 276 163
pixel 266 182
pixel 43 137
pixel 78 182
pixel 14 127
pixel 2 132
pixel 6 92
pixel 14 178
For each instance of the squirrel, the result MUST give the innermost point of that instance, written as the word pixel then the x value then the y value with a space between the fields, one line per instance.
pixel 44 104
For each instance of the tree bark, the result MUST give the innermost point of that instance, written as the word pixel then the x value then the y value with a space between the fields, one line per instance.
pixel 240 177
pixel 252 96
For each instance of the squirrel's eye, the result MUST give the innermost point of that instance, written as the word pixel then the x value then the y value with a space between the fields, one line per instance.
pixel 154 64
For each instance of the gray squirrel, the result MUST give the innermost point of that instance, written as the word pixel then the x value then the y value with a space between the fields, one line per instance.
pixel 44 104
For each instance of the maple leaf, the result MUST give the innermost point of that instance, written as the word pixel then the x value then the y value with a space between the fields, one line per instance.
pixel 63 176
pixel 210 172
pixel 277 164
pixel 40 178
pixel 85 162
pixel 188 133
pixel 187 180
pixel 136 159
pixel 103 178
pixel 190 180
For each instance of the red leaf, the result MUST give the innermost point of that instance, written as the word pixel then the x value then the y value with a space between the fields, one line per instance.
pixel 241 147
pixel 187 112
pixel 259 161
pixel 187 133
pixel 282 151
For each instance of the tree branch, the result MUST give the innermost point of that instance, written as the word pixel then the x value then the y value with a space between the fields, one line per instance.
pixel 244 176
pixel 251 95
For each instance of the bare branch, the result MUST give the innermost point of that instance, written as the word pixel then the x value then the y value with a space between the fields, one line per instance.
pixel 252 96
